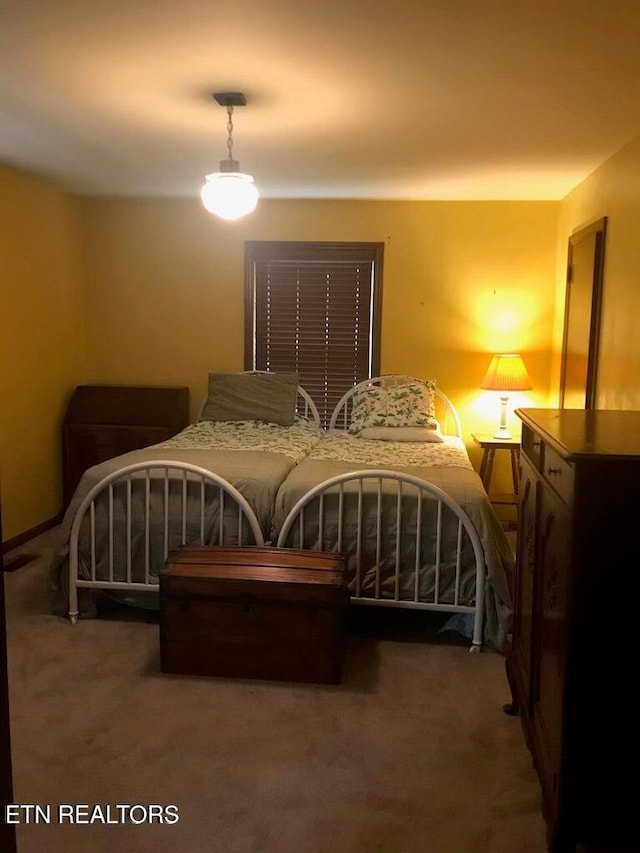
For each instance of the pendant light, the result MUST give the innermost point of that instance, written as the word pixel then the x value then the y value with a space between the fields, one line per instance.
pixel 229 193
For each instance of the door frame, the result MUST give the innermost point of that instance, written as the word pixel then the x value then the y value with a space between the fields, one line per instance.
pixel 596 231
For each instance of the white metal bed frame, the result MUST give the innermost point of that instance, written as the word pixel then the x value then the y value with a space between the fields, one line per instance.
pixel 164 470
pixel 161 472
pixel 292 534
pixel 394 483
pixel 405 486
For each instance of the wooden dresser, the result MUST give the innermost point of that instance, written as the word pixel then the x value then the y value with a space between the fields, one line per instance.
pixel 103 421
pixel 573 662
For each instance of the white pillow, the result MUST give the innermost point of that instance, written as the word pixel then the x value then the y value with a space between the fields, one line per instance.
pixel 432 434
pixel 410 404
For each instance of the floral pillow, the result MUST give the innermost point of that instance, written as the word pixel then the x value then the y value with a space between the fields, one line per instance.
pixel 408 405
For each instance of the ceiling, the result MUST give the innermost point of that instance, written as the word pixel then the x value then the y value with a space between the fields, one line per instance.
pixel 412 99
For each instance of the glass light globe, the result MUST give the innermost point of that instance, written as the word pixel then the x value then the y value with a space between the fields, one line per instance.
pixel 229 195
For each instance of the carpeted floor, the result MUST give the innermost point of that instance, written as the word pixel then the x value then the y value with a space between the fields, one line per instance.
pixel 410 754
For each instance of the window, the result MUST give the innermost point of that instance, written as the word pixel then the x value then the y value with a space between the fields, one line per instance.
pixel 314 309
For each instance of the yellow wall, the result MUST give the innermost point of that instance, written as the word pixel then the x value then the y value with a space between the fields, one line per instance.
pixel 151 291
pixel 612 190
pixel 148 291
pixel 41 351
pixel 155 289
pixel 165 287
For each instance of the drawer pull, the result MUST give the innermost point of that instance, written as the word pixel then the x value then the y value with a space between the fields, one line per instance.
pixel 552 472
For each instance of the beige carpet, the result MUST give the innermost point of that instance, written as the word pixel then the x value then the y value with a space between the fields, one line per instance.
pixel 411 754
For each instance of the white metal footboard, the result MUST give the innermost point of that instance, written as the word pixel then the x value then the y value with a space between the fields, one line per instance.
pixel 143 511
pixel 408 544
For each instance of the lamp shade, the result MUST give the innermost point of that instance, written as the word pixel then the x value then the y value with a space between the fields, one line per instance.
pixel 230 195
pixel 506 372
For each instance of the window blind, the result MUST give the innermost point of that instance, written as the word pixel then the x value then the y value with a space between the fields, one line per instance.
pixel 314 311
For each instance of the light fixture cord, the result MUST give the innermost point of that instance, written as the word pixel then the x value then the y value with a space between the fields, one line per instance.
pixel 230 130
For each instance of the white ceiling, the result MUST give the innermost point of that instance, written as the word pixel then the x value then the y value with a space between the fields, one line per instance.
pixel 412 99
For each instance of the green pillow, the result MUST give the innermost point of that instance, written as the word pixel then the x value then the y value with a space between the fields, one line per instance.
pixel 252 397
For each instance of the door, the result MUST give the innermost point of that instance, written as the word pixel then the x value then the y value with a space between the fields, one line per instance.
pixel 583 300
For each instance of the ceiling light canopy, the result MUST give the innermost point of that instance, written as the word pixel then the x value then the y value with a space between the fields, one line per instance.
pixel 229 193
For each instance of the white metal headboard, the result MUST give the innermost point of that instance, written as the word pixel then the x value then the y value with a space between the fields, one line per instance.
pixel 445 410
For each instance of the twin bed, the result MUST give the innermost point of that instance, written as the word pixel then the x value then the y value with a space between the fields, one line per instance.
pixel 389 485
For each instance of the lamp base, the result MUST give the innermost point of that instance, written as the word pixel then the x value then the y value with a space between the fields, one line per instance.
pixel 504 434
pixel 502 431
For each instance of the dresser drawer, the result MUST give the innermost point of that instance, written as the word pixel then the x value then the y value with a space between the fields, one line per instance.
pixel 557 472
pixel 532 446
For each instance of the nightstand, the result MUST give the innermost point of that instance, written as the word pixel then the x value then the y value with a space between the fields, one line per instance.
pixel 489 446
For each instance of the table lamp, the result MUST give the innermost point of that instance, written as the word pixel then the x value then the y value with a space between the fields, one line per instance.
pixel 505 373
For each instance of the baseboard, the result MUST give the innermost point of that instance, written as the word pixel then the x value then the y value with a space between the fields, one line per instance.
pixel 21 538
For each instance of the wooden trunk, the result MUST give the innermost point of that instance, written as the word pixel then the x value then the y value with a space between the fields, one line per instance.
pixel 253 612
